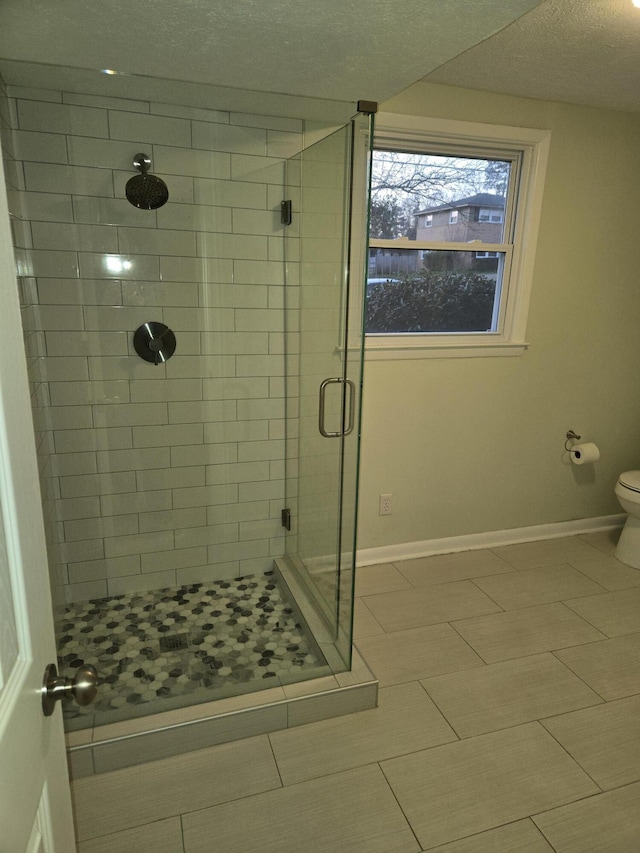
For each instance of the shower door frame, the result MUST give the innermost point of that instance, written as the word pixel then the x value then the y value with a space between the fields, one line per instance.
pixel 329 402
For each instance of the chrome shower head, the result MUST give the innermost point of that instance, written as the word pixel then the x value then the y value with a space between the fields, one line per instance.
pixel 145 191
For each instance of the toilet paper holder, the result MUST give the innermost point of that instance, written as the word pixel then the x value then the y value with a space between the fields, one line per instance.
pixel 571 436
pixel 585 453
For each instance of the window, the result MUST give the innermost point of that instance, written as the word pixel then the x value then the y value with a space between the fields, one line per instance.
pixel 486 215
pixel 461 290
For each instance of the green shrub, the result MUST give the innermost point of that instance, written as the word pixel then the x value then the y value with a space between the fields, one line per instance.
pixel 429 301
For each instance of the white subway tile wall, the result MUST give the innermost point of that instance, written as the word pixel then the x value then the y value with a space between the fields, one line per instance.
pixel 152 475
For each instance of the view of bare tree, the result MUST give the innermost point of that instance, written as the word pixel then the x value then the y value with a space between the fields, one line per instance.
pixel 404 183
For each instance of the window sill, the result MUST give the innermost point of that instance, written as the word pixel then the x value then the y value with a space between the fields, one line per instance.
pixel 395 347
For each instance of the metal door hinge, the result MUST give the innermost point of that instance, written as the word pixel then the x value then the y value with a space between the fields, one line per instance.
pixel 285 212
pixel 286 518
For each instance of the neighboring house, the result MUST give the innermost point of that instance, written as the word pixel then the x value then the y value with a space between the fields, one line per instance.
pixel 476 217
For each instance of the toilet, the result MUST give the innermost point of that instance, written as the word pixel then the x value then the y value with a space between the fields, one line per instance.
pixel 628 494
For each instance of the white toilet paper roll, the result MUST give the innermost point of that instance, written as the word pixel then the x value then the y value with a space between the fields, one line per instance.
pixel 584 454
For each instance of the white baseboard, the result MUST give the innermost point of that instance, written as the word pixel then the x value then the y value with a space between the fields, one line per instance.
pixel 491 539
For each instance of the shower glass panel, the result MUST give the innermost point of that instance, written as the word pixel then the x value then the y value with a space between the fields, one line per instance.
pixel 170 402
pixel 325 250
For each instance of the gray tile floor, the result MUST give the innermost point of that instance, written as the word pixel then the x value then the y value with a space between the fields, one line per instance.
pixel 509 720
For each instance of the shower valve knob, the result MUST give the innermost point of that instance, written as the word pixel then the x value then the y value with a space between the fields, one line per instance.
pixel 154 342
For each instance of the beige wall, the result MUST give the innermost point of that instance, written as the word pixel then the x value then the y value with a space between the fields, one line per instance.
pixel 468 445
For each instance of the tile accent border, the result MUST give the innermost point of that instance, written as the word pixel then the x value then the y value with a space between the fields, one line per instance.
pixel 490 539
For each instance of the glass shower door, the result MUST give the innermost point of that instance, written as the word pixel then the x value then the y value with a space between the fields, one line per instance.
pixel 325 248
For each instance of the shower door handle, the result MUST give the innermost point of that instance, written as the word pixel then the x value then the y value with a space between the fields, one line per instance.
pixel 352 406
pixel 347 383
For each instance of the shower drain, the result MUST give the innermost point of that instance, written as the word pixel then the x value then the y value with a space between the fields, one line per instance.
pixel 174 643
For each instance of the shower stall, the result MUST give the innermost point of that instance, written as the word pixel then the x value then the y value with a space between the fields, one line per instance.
pixel 194 342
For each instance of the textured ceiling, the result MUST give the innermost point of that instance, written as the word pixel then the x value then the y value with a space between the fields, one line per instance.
pixel 310 57
pixel 332 49
pixel 578 51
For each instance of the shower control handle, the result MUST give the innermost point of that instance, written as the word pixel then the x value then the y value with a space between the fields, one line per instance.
pixel 154 342
pixel 82 688
pixel 156 346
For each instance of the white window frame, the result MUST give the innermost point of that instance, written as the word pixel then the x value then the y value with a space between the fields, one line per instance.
pixel 454 215
pixel 415 134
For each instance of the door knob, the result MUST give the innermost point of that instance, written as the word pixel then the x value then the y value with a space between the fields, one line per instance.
pixel 82 688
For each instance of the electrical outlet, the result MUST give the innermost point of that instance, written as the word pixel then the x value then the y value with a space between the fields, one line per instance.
pixel 385 507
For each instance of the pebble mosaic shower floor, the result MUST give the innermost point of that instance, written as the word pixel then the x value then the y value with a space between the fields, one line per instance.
pixel 168 648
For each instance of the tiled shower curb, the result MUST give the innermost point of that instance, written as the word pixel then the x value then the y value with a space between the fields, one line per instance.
pixel 132 742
